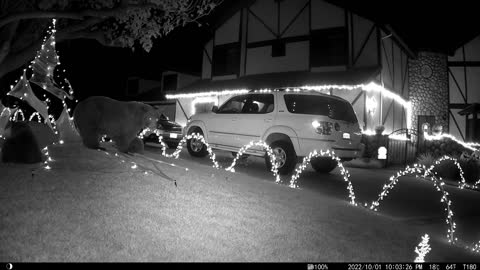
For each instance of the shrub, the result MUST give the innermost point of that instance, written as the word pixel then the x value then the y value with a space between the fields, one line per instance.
pixel 426 159
pixel 446 168
pixel 471 167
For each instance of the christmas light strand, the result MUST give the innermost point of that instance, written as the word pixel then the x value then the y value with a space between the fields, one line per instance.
pixel 15 115
pixel 39 119
pixel 331 154
pixel 269 151
pixel 419 169
pixel 422 249
pixel 370 87
pixel 469 145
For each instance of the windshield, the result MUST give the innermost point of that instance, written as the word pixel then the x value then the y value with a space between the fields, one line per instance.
pixel 320 105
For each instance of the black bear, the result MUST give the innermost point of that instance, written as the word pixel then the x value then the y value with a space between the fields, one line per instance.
pixel 20 144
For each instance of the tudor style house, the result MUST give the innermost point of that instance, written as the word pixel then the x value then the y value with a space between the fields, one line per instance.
pixel 312 44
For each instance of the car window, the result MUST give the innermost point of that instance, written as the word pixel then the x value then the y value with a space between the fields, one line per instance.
pixel 320 105
pixel 249 104
pixel 258 103
pixel 233 105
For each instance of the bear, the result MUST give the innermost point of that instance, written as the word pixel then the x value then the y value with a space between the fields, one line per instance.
pixel 20 145
pixel 136 146
pixel 121 121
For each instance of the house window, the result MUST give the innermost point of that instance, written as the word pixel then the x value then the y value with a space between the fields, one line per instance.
pixel 226 59
pixel 170 82
pixel 278 49
pixel 328 47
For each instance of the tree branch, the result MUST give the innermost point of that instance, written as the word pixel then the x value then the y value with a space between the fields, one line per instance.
pixel 78 15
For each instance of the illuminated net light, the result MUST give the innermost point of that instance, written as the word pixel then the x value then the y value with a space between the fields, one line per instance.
pixel 422 249
pixel 331 154
pixel 427 174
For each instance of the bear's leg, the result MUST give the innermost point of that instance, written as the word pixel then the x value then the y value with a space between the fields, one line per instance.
pixel 91 141
pixel 122 143
pixel 136 146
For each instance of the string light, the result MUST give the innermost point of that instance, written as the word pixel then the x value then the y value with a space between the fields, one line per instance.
pixel 207 94
pixel 476 247
pixel 422 249
pixel 269 151
pixel 370 87
pixel 418 169
pixel 330 154
pixel 48 158
pixel 15 115
pixel 469 145
pixel 39 120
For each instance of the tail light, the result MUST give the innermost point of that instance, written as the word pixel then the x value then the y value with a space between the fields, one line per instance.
pixel 323 127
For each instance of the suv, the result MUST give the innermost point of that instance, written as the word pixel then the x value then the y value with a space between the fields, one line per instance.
pixel 292 123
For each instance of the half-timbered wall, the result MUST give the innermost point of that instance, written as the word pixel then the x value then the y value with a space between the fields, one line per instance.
pixel 464 84
pixel 394 77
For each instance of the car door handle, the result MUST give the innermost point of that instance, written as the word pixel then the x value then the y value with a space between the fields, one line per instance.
pixel 268 120
pixel 234 119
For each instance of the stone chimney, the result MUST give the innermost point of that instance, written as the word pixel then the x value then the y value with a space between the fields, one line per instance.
pixel 428 87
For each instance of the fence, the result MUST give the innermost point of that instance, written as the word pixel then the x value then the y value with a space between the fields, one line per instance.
pixel 402 152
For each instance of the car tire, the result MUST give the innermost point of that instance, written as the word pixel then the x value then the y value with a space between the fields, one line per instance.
pixel 289 157
pixel 323 164
pixel 193 146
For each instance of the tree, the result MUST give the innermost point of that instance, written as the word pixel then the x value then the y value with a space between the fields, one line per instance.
pixel 119 23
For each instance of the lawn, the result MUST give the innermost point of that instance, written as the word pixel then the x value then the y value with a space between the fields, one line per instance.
pixel 92 207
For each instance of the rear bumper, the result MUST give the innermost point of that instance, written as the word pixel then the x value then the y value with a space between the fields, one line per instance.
pixel 308 145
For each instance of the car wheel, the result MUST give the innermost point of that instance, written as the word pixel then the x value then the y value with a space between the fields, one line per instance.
pixel 285 156
pixel 195 146
pixel 323 164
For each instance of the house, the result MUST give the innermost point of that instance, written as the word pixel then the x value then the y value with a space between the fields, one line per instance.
pixel 151 92
pixel 321 46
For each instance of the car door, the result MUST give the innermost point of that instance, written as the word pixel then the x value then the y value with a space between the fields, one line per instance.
pixel 255 119
pixel 221 128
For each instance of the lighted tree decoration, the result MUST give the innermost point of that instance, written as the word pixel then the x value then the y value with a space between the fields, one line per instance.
pixel 120 23
pixel 422 249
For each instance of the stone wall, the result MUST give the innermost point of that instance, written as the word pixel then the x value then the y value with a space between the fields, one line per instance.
pixel 428 87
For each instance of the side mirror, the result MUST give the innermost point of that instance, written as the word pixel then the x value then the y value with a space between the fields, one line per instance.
pixel 215 109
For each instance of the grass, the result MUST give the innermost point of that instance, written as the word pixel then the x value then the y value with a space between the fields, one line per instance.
pixel 91 207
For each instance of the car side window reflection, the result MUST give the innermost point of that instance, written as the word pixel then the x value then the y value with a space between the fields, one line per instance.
pixel 259 104
pixel 233 105
pixel 249 104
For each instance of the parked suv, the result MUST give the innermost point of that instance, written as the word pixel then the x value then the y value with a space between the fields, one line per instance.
pixel 293 123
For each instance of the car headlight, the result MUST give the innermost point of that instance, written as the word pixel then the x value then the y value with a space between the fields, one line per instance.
pixel 323 127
